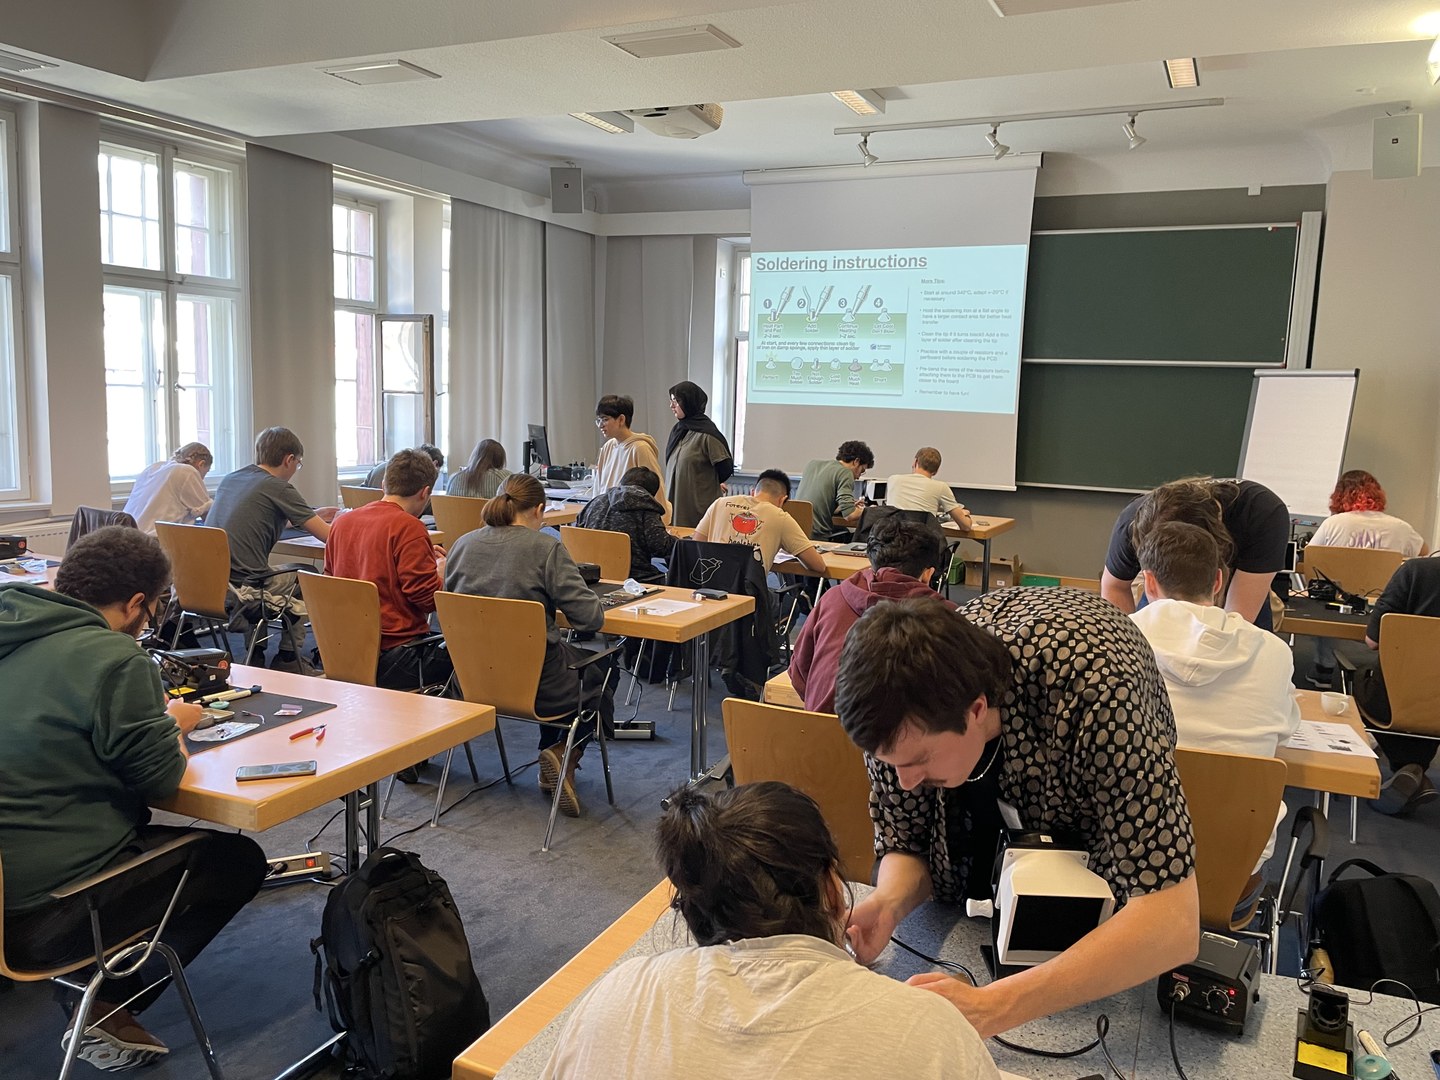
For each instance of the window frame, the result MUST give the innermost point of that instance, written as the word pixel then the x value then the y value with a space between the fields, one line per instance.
pixel 233 406
pixel 11 252
pixel 739 336
pixel 373 308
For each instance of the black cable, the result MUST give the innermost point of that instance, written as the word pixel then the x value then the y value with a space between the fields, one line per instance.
pixel 329 821
pixel 1306 979
pixel 1174 1053
pixel 477 788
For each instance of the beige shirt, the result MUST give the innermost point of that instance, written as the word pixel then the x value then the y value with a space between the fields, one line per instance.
pixel 912 491
pixel 788 1006
pixel 744 519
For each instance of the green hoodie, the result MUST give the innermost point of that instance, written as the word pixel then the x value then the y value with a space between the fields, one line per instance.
pixel 85 742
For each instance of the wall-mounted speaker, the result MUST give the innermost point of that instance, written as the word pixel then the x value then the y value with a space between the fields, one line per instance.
pixel 567 195
pixel 1396 153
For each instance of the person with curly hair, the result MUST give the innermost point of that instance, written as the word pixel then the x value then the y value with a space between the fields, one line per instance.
pixel 829 487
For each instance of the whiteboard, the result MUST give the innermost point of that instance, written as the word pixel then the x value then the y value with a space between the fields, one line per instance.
pixel 1296 433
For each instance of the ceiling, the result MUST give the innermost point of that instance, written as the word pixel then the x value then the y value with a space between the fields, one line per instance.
pixel 1300 77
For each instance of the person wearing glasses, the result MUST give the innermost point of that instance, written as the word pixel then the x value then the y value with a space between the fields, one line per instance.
pixel 88 744
pixel 624 449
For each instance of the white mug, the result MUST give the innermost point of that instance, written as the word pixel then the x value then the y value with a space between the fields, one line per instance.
pixel 1334 704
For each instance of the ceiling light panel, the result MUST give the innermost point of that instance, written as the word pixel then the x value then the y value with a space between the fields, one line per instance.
pixel 376 72
pixel 1182 74
pixel 1005 8
pixel 614 122
pixel 675 42
pixel 860 102
pixel 10 61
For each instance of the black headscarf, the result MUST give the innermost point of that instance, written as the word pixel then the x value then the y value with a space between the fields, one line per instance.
pixel 692 401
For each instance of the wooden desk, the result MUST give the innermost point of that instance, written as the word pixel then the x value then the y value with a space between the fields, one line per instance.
pixel 312 548
pixel 781 691
pixel 1306 616
pixel 982 530
pixel 1335 774
pixel 489 1053
pixel 369 735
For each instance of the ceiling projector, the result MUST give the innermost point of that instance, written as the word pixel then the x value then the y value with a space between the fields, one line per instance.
pixel 679 121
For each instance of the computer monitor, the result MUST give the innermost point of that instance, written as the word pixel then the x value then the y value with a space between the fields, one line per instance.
pixel 539 446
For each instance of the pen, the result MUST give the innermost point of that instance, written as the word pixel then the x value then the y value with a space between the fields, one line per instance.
pixel 318 732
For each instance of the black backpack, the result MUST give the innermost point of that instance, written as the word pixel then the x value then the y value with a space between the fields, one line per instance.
pixel 1385 926
pixel 396 971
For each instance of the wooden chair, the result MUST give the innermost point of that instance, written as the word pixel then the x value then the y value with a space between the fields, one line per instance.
pixel 455 515
pixel 352 498
pixel 803 512
pixel 498 649
pixel 610 550
pixel 809 751
pixel 1409 646
pixel 1365 571
pixel 126 933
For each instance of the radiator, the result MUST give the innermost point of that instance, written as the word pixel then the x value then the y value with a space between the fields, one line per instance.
pixel 44 537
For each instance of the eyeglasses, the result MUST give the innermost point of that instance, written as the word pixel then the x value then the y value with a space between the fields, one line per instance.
pixel 601 421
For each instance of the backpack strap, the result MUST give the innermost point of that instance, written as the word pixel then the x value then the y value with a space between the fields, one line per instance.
pixel 1364 864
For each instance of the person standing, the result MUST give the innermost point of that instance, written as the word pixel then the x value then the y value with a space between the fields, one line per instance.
pixel 919 490
pixel 697 457
pixel 829 487
pixel 624 449
pixel 172 490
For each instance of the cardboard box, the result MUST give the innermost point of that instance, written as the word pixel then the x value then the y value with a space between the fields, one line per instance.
pixel 1003 571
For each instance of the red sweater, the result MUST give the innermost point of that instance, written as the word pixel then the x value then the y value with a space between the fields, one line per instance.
pixel 380 542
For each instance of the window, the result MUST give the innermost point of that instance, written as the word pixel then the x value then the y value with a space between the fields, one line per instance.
pixel 14 466
pixel 357 440
pixel 172 307
pixel 442 345
pixel 741 325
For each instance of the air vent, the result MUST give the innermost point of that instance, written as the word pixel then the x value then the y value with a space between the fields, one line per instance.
pixel 375 72
pixel 10 61
pixel 676 42
pixel 1044 7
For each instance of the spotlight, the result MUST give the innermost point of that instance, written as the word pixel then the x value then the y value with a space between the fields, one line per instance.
pixel 865 155
pixel 1136 141
pixel 993 138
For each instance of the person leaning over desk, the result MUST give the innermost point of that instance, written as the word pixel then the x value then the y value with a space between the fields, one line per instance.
pixel 1048 699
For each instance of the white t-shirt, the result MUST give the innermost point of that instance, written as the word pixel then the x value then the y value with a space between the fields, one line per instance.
pixel 167 491
pixel 787 1006
pixel 744 519
pixel 912 491
pixel 1369 529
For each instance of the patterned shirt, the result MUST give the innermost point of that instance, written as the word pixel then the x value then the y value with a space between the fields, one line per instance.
pixel 1086 742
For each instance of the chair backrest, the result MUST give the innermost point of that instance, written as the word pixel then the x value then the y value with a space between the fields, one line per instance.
pixel 809 751
pixel 1356 570
pixel 609 550
pixel 803 512
pixel 345 615
pixel 455 515
pixel 1233 799
pixel 352 498
pixel 199 566
pixel 497 647
pixel 1409 646
pixel 89 518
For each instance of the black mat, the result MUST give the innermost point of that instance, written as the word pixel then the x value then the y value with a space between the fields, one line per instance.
pixel 259 710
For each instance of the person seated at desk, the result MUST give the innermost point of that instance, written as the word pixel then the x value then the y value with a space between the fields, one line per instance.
pixel 1248 520
pixel 483 475
pixel 758 521
pixel 1414 589
pixel 767 989
pixel 385 542
pixel 632 507
pixel 1230 683
pixel 1358 519
pixel 375 478
pixel 1024 696
pixel 698 460
pixel 172 490
pixel 829 487
pixel 253 505
pixel 624 449
pixel 88 741
pixel 903 558
pixel 919 490
pixel 512 559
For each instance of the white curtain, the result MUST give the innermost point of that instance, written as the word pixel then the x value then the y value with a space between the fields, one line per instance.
pixel 497 328
pixel 570 344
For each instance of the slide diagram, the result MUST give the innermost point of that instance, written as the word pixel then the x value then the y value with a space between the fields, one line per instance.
pixel 927 328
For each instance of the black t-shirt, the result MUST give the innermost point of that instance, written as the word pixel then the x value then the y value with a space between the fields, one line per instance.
pixel 1257 519
pixel 972 825
pixel 1414 589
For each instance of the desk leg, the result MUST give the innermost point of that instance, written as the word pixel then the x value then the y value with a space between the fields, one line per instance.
pixel 699 672
pixel 985 566
pixel 352 832
pixel 372 817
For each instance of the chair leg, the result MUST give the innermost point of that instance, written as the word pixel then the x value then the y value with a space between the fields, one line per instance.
pixel 635 675
pixel 179 626
pixel 182 987
pixel 82 1017
pixel 440 794
pixel 560 783
pixel 470 757
pixel 389 790
pixel 604 758
pixel 500 745
pixel 1354 812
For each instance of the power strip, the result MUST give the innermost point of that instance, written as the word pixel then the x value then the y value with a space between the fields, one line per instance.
pixel 635 729
pixel 310 864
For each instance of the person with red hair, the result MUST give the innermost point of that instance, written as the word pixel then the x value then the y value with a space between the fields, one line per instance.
pixel 1358 519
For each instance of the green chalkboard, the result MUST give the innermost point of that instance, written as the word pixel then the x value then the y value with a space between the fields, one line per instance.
pixel 1129 426
pixel 1162 295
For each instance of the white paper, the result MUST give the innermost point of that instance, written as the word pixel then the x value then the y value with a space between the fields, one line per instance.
pixel 1329 739
pixel 661 607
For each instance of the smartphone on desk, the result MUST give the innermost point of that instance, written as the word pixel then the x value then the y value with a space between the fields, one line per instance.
pixel 283 771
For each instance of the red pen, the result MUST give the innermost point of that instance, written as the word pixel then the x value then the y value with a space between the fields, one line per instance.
pixel 318 732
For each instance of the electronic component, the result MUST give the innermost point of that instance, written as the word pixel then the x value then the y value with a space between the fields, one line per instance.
pixel 310 864
pixel 1217 987
pixel 193 672
pixel 13 545
pixel 1046 898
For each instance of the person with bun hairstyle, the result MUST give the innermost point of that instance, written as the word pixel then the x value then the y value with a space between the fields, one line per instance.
pixel 767 988
pixel 512 559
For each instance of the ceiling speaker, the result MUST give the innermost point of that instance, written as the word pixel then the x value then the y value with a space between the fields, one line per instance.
pixel 567 196
pixel 1396 152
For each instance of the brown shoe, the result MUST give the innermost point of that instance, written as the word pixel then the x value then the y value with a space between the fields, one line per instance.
pixel 115 1042
pixel 550 767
